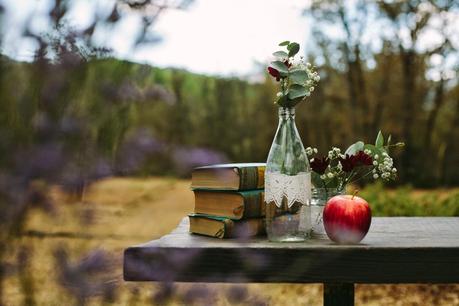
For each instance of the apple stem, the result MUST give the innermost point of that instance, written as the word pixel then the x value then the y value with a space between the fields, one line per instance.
pixel 354 194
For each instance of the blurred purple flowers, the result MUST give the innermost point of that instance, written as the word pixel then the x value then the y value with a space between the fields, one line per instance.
pixel 186 159
pixel 88 277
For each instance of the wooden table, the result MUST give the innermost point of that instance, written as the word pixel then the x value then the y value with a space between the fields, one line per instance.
pixel 396 250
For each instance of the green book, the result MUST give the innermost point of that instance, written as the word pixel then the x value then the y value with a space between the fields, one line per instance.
pixel 244 176
pixel 221 227
pixel 235 205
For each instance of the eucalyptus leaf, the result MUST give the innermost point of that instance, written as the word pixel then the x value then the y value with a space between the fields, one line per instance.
pixel 297 91
pixel 354 148
pixel 293 49
pixel 379 140
pixel 280 66
pixel 281 54
pixel 284 43
pixel 298 77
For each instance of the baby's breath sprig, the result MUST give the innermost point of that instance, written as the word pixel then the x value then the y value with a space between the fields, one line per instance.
pixel 297 78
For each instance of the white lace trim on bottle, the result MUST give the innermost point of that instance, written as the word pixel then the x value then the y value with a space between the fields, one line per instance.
pixel 296 188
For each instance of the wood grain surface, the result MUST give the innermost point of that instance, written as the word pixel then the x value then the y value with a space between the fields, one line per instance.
pixel 396 250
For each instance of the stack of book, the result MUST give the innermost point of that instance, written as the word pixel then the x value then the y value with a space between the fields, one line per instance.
pixel 229 200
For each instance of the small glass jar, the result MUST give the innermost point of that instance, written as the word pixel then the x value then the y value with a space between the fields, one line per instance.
pixel 287 184
pixel 320 197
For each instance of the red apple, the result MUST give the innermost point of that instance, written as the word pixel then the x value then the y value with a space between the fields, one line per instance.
pixel 347 218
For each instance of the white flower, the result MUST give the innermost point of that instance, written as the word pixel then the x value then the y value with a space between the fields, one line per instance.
pixel 366 151
pixel 330 175
pixel 374 171
pixel 317 78
pixel 376 156
pixel 311 160
pixel 375 176
pixel 394 170
pixel 375 163
pixel 323 176
pixel 334 153
pixel 315 150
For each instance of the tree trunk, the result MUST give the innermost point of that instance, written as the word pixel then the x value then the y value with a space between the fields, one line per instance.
pixel 382 93
pixel 408 70
pixel 448 176
pixel 438 102
pixel 363 102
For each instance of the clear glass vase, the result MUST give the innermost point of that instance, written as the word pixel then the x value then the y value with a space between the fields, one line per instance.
pixel 320 196
pixel 287 184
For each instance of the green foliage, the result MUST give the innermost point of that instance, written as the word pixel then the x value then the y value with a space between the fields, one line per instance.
pixel 228 115
pixel 298 77
pixel 354 148
pixel 296 91
pixel 379 143
pixel 280 66
pixel 293 49
pixel 405 201
pixel 297 80
pixel 281 54
pixel 373 149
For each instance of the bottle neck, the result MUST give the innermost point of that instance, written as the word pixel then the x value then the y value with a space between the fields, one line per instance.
pixel 286 113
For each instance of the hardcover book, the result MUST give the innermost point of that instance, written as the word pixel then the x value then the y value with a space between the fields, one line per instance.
pixel 221 227
pixel 235 205
pixel 245 176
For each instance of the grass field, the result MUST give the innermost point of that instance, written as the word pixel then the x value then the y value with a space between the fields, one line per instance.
pixel 119 212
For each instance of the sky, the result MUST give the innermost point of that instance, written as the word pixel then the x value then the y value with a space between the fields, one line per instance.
pixel 216 37
pixel 221 36
pixel 227 37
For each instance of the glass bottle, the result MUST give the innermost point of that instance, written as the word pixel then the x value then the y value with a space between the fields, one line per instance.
pixel 287 184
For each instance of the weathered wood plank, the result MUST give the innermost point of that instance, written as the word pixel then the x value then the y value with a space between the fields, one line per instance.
pixel 396 250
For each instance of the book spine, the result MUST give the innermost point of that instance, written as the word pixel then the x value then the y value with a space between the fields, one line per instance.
pixel 253 205
pixel 251 178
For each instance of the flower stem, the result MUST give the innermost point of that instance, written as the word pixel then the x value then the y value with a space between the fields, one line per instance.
pixel 359 178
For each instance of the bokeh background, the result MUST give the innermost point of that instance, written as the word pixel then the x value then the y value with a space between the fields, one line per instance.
pixel 106 106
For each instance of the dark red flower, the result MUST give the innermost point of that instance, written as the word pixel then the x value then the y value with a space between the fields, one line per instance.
pixel 287 63
pixel 363 159
pixel 319 165
pixel 348 162
pixel 275 73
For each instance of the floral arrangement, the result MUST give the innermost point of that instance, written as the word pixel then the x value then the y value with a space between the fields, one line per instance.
pixel 297 78
pixel 360 160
